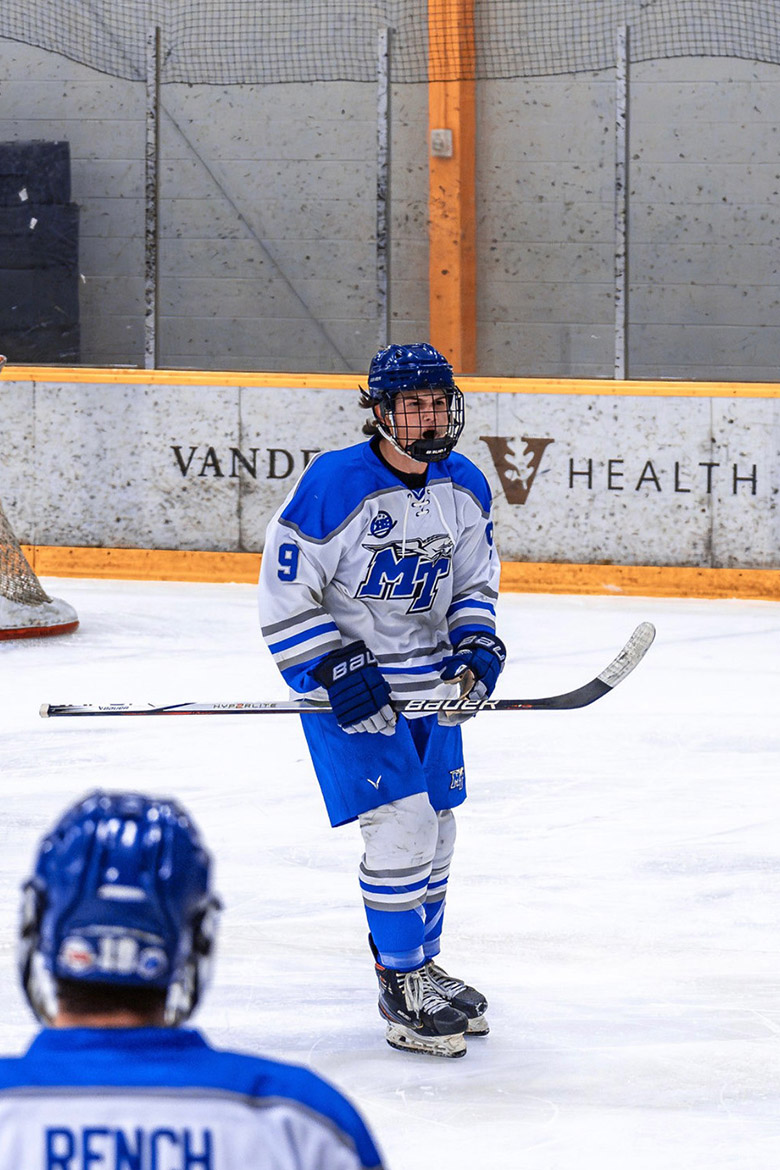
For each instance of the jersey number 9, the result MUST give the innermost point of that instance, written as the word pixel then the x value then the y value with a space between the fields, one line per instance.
pixel 288 562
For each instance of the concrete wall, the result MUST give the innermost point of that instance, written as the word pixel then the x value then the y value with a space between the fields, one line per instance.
pixel 545 244
pixel 268 214
pixel 705 220
pixel 703 223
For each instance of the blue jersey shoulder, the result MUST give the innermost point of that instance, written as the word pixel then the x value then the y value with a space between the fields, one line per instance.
pixel 265 1079
pixel 332 488
pixel 336 483
pixel 181 1059
pixel 465 474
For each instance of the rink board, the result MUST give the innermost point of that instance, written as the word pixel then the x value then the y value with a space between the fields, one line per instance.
pixel 592 479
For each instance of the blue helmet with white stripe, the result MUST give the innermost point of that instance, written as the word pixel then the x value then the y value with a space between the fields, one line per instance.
pixel 120 895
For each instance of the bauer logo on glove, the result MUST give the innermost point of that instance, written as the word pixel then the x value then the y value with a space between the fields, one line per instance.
pixel 350 665
pixel 357 689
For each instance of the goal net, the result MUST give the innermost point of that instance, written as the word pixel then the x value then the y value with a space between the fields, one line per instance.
pixel 26 610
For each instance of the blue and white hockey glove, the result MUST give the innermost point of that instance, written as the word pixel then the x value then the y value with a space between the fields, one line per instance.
pixel 476 664
pixel 358 692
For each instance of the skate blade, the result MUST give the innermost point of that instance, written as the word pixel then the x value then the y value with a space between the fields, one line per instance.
pixel 405 1040
pixel 478 1026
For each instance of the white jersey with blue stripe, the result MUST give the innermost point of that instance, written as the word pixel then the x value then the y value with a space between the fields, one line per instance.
pixel 353 553
pixel 163 1099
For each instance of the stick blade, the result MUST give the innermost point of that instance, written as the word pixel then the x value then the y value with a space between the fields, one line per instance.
pixel 619 668
pixel 630 656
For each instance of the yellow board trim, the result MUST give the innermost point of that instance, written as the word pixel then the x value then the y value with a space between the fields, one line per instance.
pixel 575 386
pixel 641 581
pixel 131 376
pixel 634 389
pixel 138 564
pixel 143 564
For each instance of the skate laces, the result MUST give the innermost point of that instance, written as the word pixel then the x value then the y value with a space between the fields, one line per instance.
pixel 421 994
pixel 448 984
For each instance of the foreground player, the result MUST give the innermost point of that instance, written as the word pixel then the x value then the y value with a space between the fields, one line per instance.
pixel 379 581
pixel 117 936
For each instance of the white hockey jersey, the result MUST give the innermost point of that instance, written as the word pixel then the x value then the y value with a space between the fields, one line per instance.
pixel 353 553
pixel 163 1099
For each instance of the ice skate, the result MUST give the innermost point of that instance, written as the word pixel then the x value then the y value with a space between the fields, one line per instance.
pixel 462 997
pixel 419 1018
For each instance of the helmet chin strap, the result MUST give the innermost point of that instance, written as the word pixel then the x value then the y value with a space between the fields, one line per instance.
pixel 386 434
pixel 426 455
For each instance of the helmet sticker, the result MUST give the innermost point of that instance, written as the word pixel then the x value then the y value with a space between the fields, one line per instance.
pixel 77 956
pixel 111 954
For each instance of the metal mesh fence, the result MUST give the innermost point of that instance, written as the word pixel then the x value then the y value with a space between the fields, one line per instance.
pixel 18 582
pixel 224 42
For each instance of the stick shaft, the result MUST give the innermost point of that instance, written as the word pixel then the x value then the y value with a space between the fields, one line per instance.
pixel 621 666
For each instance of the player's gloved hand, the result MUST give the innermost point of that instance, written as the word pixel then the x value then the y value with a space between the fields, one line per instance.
pixel 476 665
pixel 358 692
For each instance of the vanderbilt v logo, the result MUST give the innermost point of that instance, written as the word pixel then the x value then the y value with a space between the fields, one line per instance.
pixel 517 474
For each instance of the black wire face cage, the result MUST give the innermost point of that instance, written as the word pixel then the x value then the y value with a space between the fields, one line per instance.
pixel 430 447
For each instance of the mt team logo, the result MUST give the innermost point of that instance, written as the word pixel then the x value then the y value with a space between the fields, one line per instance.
pixel 516 472
pixel 408 569
pixel 458 778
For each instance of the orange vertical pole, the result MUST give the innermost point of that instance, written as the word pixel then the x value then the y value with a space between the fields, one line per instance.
pixel 452 263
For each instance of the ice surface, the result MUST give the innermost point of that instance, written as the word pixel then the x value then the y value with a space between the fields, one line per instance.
pixel 615 887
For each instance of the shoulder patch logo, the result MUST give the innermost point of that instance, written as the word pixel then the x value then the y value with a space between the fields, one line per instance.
pixel 382 524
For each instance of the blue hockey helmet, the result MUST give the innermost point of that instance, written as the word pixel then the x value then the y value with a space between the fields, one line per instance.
pixel 120 894
pixel 418 366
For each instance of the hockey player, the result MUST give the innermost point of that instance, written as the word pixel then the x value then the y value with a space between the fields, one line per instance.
pixel 379 581
pixel 117 937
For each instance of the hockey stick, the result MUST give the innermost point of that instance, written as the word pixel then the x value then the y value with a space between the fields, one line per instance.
pixel 621 666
